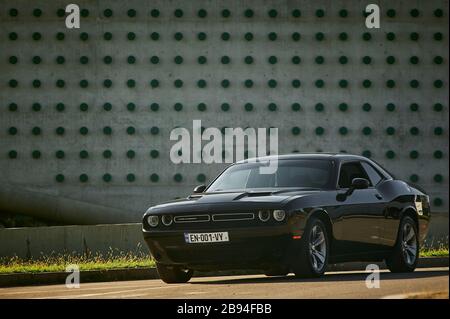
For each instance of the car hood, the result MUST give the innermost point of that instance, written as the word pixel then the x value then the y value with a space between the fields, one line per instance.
pixel 248 197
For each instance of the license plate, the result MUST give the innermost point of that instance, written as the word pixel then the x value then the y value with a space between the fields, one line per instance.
pixel 195 238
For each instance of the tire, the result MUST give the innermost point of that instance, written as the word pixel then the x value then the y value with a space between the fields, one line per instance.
pixel 312 259
pixel 173 274
pixel 276 271
pixel 405 255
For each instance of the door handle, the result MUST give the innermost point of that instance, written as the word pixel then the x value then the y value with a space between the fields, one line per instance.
pixel 378 196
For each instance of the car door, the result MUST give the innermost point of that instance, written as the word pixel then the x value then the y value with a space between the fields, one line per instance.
pixel 358 215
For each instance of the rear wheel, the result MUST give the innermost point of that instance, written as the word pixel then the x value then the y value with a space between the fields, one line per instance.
pixel 313 256
pixel 406 251
pixel 173 274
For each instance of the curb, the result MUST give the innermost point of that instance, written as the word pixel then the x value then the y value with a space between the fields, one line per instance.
pixel 27 279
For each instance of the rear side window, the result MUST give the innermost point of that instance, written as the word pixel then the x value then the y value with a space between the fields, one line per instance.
pixel 373 174
pixel 348 172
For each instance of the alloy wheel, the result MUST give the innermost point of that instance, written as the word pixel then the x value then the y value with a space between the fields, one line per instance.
pixel 317 248
pixel 409 244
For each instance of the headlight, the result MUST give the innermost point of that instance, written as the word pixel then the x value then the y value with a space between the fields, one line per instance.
pixel 167 220
pixel 153 220
pixel 264 215
pixel 279 215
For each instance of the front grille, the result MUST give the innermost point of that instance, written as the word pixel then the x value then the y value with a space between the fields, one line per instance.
pixel 233 217
pixel 191 218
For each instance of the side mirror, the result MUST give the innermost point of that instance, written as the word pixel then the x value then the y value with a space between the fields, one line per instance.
pixel 199 189
pixel 357 183
pixel 360 183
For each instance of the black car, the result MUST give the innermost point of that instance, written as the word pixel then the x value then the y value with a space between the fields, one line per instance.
pixel 314 210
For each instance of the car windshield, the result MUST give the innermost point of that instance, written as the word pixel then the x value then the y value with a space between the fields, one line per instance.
pixel 290 173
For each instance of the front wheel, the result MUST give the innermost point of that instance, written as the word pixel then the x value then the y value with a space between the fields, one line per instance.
pixel 173 274
pixel 313 256
pixel 406 251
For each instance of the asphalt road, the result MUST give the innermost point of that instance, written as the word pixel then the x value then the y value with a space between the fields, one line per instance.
pixel 332 285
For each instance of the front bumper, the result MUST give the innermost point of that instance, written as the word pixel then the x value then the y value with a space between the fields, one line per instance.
pixel 250 247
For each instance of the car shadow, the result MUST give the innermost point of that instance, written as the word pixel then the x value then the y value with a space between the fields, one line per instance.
pixel 353 276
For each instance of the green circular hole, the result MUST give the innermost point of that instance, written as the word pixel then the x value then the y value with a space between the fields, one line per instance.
pixel 390 154
pixel 12 107
pixel 84 60
pixel 37 12
pixel 107 154
pixel 273 59
pixel 438 107
pixel 319 59
pixel 367 153
pixel 225 83
pixel 272 36
pixel 13 12
pixel 131 83
pixel 13 83
pixel 202 13
pixel 201 107
pixel 60 83
pixel 248 36
pixel 343 130
pixel 248 13
pixel 107 130
pixel 131 59
pixel 390 84
pixel 84 154
pixel 36 59
pixel 437 201
pixel 320 13
pixel 272 107
pixel 36 130
pixel 438 178
pixel 36 83
pixel 225 36
pixel 414 60
pixel 343 59
pixel 154 83
pixel 366 36
pixel 84 36
pixel 367 59
pixel 84 107
pixel 225 59
pixel 60 36
pixel 107 177
pixel 201 36
pixel 154 59
pixel 131 13
pixel 107 36
pixel 414 107
pixel 226 13
pixel 319 107
pixel 320 36
pixel 343 83
pixel 154 178
pixel 272 83
pixel 438 154
pixel 343 107
pixel 414 13
pixel 131 130
pixel 320 130
pixel 438 84
pixel 154 153
pixel 248 59
pixel 178 36
pixel 367 130
pixel 343 13
pixel 296 13
pixel 390 13
pixel 438 36
pixel 84 13
pixel 13 36
pixel 178 107
pixel 390 107
pixel 84 83
pixel 295 107
pixel 178 59
pixel 59 178
pixel 154 13
pixel 296 60
pixel 296 130
pixel 296 36
pixel 248 83
pixel 83 178
pixel 60 107
pixel 36 154
pixel 438 60
pixel 438 13
pixel 414 36
pixel 343 36
pixel 131 36
pixel 390 130
pixel 390 36
pixel 414 154
pixel 296 83
pixel 107 13
pixel 60 130
pixel 225 107
pixel 248 107
pixel 107 106
pixel 319 83
pixel 390 60
pixel 414 178
pixel 438 131
pixel 84 130
pixel 131 177
pixel 131 154
pixel 201 83
pixel 36 107
pixel 12 130
pixel 107 59
pixel 177 177
pixel 414 84
pixel 107 83
pixel 154 107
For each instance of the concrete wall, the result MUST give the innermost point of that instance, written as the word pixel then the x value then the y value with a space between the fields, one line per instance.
pixel 34 242
pixel 418 115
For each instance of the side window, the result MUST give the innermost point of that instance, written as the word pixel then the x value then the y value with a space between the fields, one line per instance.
pixel 374 176
pixel 348 172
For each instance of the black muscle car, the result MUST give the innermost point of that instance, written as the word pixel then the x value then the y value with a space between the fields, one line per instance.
pixel 314 210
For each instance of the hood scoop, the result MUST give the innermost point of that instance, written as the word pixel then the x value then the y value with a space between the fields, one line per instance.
pixel 252 194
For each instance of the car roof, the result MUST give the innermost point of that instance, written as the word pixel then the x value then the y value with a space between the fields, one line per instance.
pixel 294 156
